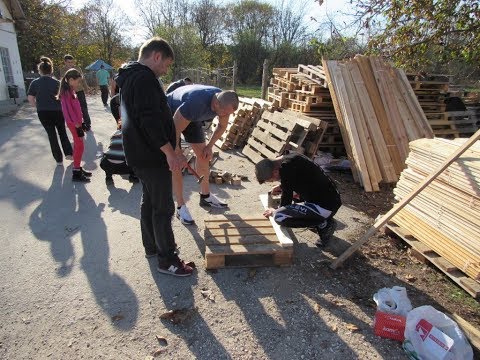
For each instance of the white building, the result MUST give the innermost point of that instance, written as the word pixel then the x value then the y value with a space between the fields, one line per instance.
pixel 10 66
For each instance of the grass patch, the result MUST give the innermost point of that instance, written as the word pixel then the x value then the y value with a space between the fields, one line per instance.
pixel 251 91
pixel 463 297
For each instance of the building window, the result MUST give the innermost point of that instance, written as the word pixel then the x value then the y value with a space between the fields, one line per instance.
pixel 7 66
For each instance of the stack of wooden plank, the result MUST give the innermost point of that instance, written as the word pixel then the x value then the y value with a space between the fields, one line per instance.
pixel 304 89
pixel 378 114
pixel 284 130
pixel 444 216
pixel 241 123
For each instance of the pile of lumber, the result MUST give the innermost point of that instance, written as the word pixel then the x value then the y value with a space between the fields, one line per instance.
pixel 444 216
pixel 277 132
pixel 378 114
pixel 433 92
pixel 241 123
pixel 304 89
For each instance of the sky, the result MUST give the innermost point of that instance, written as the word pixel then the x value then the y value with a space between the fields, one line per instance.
pixel 334 8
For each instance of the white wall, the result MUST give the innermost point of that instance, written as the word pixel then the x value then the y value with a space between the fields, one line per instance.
pixel 8 39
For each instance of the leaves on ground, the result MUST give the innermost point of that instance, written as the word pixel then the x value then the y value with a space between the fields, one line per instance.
pixel 161 340
pixel 352 327
pixel 118 317
pixel 178 316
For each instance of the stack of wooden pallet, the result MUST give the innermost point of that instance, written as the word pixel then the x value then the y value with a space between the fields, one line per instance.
pixel 284 130
pixel 241 123
pixel 303 89
pixel 444 216
pixel 432 92
pixel 378 114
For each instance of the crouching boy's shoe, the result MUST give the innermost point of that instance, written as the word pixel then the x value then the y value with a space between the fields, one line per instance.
pixel 326 232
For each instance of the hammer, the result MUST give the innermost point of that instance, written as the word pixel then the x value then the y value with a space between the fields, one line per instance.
pixel 199 178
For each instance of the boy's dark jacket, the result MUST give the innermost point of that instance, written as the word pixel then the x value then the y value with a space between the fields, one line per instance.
pixel 147 122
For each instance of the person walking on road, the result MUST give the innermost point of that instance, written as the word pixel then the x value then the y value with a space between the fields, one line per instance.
pixel 319 199
pixel 42 94
pixel 69 63
pixel 149 144
pixel 72 113
pixel 103 77
pixel 192 105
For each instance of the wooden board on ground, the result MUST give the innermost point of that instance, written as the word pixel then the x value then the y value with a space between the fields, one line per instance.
pixel 233 241
pixel 469 285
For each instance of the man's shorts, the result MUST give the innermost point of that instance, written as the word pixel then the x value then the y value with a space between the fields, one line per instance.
pixel 194 133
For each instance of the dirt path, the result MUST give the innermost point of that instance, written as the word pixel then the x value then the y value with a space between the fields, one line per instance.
pixel 75 284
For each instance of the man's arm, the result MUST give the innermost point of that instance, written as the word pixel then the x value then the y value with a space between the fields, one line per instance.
pixel 180 124
pixel 217 134
pixel 175 162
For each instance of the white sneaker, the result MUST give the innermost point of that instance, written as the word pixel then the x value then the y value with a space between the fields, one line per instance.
pixel 60 163
pixel 68 157
pixel 184 215
pixel 212 201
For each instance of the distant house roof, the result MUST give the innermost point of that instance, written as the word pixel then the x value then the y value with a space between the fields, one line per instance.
pixel 95 66
pixel 15 9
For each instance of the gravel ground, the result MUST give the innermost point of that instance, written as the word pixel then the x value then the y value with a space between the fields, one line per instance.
pixel 76 285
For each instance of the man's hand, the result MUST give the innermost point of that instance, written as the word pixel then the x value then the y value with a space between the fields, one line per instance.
pixel 207 153
pixel 176 162
pixel 269 212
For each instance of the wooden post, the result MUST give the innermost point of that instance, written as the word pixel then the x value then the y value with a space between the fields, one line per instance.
pixel 399 206
pixel 265 79
pixel 234 80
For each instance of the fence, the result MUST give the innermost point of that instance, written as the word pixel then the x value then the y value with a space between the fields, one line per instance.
pixel 224 78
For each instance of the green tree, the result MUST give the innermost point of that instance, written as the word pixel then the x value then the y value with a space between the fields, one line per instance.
pixel 423 34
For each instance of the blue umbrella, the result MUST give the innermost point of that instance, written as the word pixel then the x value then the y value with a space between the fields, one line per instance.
pixel 95 66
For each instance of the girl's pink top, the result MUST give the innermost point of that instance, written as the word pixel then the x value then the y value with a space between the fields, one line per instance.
pixel 72 112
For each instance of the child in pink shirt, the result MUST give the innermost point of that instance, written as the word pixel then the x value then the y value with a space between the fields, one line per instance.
pixel 72 113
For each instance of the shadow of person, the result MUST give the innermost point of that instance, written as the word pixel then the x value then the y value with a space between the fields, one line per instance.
pixel 48 220
pixel 126 202
pixel 91 150
pixel 177 295
pixel 111 292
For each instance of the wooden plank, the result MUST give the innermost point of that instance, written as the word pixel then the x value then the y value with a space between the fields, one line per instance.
pixel 385 163
pixel 471 332
pixel 254 155
pixel 243 231
pixel 385 218
pixel 268 140
pixel 241 239
pixel 281 231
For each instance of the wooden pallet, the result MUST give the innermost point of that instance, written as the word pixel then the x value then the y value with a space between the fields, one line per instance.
pixel 243 242
pixel 423 252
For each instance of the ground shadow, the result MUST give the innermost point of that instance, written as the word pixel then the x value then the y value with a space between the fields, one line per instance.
pixel 68 209
pixel 177 293
pixel 126 202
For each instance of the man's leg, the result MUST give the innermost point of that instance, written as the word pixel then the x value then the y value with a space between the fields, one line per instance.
pixel 302 215
pixel 83 105
pixel 203 168
pixel 104 91
pixel 157 209
pixel 62 133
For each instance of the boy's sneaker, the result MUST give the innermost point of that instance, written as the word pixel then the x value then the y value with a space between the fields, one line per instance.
pixel 78 175
pixel 326 233
pixel 59 163
pixel 212 201
pixel 175 267
pixel 68 157
pixel 184 215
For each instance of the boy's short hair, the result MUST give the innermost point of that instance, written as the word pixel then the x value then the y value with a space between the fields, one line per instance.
pixel 264 170
pixel 156 44
pixel 68 57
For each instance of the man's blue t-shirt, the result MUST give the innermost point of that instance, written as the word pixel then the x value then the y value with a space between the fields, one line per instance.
pixel 45 89
pixel 193 101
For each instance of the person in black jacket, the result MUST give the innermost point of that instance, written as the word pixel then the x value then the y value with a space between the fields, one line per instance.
pixel 179 83
pixel 318 196
pixel 149 143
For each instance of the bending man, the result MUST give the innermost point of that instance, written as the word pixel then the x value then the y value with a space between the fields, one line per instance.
pixel 191 105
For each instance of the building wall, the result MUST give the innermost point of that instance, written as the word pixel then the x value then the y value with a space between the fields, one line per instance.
pixel 8 39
